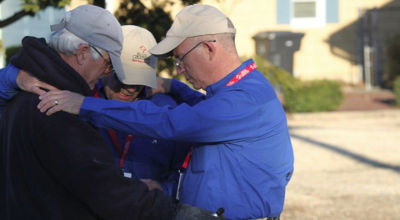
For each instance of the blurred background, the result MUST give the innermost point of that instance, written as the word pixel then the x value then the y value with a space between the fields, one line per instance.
pixel 335 65
pixel 333 48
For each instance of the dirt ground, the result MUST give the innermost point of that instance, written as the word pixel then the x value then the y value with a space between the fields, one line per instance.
pixel 347 162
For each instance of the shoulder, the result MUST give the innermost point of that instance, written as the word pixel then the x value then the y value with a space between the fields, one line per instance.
pixel 161 99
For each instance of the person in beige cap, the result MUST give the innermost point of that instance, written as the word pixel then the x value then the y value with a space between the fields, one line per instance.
pixel 60 167
pixel 141 157
pixel 242 157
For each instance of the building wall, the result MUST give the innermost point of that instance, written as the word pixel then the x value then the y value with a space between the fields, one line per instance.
pixel 316 59
pixel 38 25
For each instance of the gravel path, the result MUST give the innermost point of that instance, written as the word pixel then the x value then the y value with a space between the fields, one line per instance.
pixel 347 166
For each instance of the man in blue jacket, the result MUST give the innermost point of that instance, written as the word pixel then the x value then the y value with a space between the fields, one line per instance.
pixel 242 156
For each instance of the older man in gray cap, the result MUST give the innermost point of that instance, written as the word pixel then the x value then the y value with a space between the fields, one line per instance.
pixel 60 167
pixel 242 156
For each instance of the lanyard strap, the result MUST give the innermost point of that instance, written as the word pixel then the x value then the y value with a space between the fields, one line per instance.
pixel 187 159
pixel 96 93
pixel 114 139
pixel 252 66
pixel 124 152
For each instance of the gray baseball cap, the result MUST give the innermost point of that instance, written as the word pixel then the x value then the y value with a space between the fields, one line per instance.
pixel 98 27
pixel 191 21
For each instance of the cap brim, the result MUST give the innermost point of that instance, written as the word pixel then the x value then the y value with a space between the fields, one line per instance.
pixel 139 76
pixel 117 64
pixel 166 46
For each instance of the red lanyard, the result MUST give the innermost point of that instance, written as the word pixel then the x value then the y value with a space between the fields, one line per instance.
pixel 127 145
pixel 242 74
pixel 114 139
pixel 187 159
pixel 252 66
pixel 95 93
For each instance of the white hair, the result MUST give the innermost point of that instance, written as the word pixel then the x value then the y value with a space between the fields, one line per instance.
pixel 67 43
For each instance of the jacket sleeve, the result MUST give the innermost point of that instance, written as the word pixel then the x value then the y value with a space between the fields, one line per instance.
pixel 217 119
pixel 81 160
pixel 8 84
pixel 184 94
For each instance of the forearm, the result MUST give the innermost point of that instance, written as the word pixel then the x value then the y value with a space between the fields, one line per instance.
pixel 183 93
pixel 8 82
pixel 8 85
pixel 203 122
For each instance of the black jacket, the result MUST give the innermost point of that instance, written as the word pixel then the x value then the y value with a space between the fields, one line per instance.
pixel 59 167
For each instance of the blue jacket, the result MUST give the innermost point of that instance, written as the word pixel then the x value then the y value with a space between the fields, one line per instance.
pixel 242 158
pixel 150 158
pixel 8 84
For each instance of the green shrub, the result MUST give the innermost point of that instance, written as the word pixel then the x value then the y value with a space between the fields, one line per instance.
pixel 11 51
pixel 278 77
pixel 314 96
pixel 396 90
pixel 299 96
pixel 392 64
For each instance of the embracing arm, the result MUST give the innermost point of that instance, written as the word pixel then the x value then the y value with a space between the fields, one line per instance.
pixel 178 90
pixel 183 93
pixel 12 79
pixel 8 84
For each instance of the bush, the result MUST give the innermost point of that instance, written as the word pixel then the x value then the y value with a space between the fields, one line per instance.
pixel 299 96
pixel 314 96
pixel 392 64
pixel 278 77
pixel 396 90
pixel 11 51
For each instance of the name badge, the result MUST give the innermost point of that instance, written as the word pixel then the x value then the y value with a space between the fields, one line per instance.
pixel 127 174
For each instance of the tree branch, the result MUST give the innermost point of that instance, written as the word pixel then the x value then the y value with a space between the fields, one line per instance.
pixel 15 17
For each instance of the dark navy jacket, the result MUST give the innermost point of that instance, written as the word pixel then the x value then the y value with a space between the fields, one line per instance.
pixel 58 166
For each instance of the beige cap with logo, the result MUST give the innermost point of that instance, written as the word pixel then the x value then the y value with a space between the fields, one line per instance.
pixel 192 21
pixel 139 65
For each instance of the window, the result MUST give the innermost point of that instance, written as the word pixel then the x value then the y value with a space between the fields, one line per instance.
pixel 304 9
pixel 308 13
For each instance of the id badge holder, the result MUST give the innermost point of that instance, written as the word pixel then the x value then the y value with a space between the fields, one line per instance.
pixel 178 188
pixel 127 174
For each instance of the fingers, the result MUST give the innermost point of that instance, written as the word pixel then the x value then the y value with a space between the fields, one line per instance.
pixel 54 109
pixel 48 102
pixel 40 87
pixel 163 85
pixel 152 184
pixel 31 84
pixel 57 100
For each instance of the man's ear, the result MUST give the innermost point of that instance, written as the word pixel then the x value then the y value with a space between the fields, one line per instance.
pixel 82 53
pixel 211 49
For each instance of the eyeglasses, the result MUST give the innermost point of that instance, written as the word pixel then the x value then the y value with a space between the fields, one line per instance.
pixel 178 60
pixel 137 88
pixel 108 62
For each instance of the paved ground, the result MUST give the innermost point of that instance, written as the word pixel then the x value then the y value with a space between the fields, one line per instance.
pixel 359 99
pixel 347 165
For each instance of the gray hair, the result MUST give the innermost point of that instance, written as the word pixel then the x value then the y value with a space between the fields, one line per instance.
pixel 67 43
